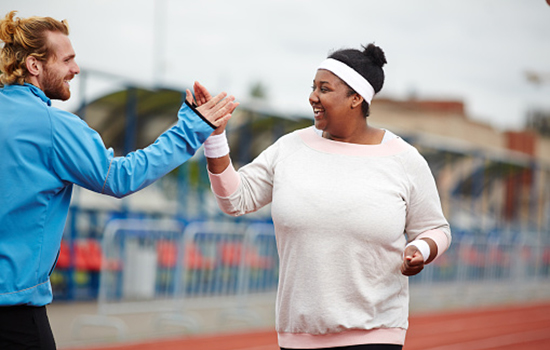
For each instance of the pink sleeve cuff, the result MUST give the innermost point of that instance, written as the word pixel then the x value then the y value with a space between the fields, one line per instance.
pixel 440 239
pixel 225 183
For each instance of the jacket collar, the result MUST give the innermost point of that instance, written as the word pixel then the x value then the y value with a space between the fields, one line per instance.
pixel 36 91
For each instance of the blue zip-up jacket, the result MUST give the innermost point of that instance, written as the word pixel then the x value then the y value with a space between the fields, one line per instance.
pixel 43 152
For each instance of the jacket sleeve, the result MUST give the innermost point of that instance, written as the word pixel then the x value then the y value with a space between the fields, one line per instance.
pixel 80 155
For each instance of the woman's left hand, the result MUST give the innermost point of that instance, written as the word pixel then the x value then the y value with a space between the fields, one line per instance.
pixel 413 261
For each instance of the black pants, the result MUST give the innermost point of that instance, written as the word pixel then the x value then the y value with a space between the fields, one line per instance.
pixel 25 327
pixel 363 347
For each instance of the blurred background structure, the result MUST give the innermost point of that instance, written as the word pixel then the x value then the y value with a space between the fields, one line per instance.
pixel 468 84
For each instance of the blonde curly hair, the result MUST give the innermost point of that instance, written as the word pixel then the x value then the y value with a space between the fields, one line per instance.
pixel 24 37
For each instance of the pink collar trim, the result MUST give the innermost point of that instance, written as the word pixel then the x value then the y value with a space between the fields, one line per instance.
pixel 313 140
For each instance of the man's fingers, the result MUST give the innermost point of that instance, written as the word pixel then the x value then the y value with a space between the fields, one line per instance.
pixel 222 121
pixel 214 111
pixel 233 106
pixel 222 108
pixel 217 110
pixel 226 108
pixel 215 100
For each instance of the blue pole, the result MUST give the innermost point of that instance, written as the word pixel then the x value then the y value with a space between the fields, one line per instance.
pixel 131 120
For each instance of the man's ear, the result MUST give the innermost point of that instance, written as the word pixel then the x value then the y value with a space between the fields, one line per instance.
pixel 34 66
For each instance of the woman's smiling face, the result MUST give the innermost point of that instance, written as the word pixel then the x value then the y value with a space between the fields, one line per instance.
pixel 331 102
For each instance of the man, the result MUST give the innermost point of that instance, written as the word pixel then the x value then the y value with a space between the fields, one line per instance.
pixel 44 151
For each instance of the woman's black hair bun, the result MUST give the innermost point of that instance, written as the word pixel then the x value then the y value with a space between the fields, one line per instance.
pixel 375 54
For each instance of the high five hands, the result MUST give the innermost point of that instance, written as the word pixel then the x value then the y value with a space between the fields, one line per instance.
pixel 217 110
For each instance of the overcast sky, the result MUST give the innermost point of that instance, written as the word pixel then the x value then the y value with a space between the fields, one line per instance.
pixel 472 50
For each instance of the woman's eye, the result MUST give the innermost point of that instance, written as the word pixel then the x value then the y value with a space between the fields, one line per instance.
pixel 322 88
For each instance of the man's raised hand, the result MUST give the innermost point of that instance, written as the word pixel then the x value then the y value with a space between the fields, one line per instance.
pixel 217 110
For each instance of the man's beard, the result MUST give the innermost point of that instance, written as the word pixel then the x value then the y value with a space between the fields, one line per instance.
pixel 54 87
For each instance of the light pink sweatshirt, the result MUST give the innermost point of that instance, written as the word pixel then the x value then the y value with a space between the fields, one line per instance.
pixel 342 214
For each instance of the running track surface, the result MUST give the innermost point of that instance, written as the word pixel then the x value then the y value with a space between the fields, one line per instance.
pixel 503 328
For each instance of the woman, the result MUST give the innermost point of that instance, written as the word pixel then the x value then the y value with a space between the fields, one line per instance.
pixel 345 199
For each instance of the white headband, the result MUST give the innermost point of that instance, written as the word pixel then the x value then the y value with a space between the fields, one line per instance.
pixel 350 76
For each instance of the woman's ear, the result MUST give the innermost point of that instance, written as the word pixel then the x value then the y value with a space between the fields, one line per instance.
pixel 356 100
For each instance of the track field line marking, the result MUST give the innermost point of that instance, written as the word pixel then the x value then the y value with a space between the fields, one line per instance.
pixel 491 343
